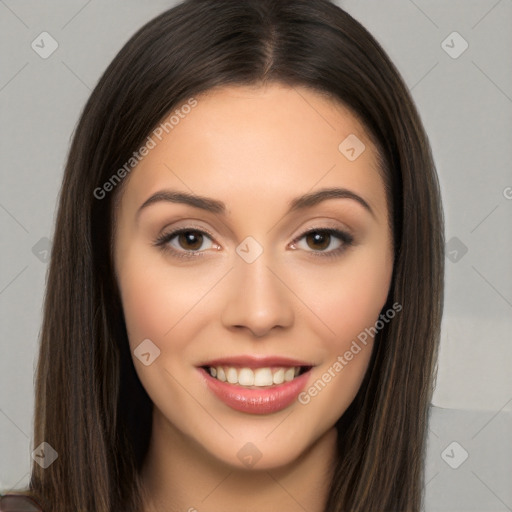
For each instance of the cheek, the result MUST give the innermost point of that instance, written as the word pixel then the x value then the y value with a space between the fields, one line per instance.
pixel 157 298
pixel 348 300
pixel 144 305
pixel 161 304
pixel 350 296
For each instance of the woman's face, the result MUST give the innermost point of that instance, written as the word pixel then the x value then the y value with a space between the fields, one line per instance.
pixel 268 292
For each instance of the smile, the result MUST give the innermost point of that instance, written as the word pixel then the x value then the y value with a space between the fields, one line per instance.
pixel 256 385
pixel 258 377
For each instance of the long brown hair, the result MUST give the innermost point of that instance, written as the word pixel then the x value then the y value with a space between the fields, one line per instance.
pixel 90 405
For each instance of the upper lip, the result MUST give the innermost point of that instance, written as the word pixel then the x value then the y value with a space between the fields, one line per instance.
pixel 253 361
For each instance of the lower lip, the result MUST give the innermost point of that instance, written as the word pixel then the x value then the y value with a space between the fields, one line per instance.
pixel 257 401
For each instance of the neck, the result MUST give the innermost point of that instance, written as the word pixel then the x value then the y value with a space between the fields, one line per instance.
pixel 180 476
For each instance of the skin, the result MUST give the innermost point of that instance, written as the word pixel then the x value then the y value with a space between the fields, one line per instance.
pixel 254 148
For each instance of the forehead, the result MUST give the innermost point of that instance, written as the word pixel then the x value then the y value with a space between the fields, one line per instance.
pixel 259 146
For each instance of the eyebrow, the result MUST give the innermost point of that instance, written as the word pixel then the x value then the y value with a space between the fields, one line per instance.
pixel 215 206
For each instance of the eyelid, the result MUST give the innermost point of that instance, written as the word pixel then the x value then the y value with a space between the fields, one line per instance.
pixel 322 224
pixel 344 235
pixel 337 231
pixel 163 240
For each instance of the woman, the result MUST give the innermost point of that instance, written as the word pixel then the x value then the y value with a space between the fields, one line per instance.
pixel 246 283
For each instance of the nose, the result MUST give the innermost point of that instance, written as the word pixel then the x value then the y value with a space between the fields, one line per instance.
pixel 258 299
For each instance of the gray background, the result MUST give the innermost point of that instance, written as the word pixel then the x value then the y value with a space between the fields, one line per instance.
pixel 466 106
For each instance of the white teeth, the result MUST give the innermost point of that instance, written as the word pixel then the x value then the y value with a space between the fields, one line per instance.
pixel 246 377
pixel 232 376
pixel 263 377
pixel 259 377
pixel 289 374
pixel 220 374
pixel 278 376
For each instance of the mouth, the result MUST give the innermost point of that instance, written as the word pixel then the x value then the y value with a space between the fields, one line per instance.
pixel 255 385
pixel 255 378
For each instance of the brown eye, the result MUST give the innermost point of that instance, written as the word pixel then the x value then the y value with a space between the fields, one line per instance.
pixel 318 240
pixel 190 240
pixel 324 242
pixel 186 242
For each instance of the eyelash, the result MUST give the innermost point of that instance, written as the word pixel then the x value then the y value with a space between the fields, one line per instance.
pixel 165 238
